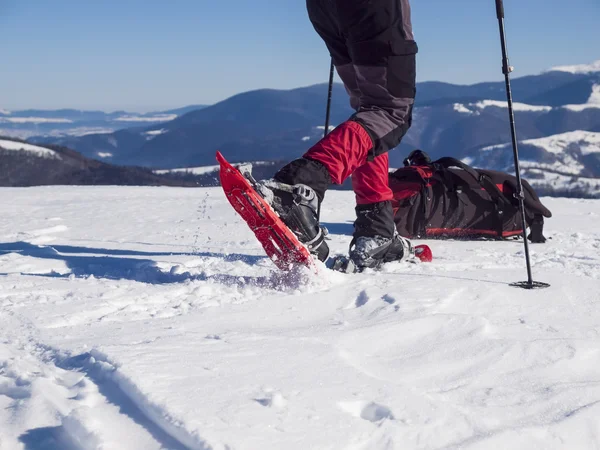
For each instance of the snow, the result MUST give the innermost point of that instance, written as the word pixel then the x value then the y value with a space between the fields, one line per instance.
pixel 147 318
pixel 4 112
pixel 580 68
pixel 516 106
pixel 104 155
pixel 158 118
pixel 34 120
pixel 559 142
pixel 459 107
pixel 322 127
pixel 155 132
pixel 203 170
pixel 589 142
pixel 20 146
pixel 82 131
pixel 564 183
pixel 565 146
pixel 593 101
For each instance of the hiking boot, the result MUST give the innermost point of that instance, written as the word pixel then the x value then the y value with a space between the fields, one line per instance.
pixel 298 207
pixel 371 252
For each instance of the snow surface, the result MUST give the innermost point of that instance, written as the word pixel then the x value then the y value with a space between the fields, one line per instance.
pixel 593 101
pixel 567 162
pixel 579 68
pixel 516 106
pixel 158 118
pixel 147 318
pixel 155 132
pixel 562 183
pixel 559 142
pixel 459 107
pixel 34 120
pixel 20 146
pixel 203 170
pixel 4 112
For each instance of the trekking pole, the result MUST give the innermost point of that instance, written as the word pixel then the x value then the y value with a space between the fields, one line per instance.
pixel 506 70
pixel 329 99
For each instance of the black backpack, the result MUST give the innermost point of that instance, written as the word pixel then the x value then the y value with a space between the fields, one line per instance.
pixel 449 199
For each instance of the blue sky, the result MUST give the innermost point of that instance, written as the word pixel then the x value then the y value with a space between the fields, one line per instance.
pixel 143 55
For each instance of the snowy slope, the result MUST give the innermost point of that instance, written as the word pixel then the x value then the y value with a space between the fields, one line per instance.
pixel 203 170
pixel 147 318
pixel 558 164
pixel 34 149
pixel 579 68
pixel 564 151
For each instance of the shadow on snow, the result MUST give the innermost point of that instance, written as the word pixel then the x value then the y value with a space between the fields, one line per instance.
pixel 119 264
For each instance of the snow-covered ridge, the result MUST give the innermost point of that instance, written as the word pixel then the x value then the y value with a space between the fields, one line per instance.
pixel 540 178
pixel 203 170
pixel 159 118
pixel 566 149
pixel 474 108
pixel 153 133
pixel 593 101
pixel 33 120
pixel 588 141
pixel 578 68
pixel 20 146
pixel 4 112
pixel 459 107
pixel 516 106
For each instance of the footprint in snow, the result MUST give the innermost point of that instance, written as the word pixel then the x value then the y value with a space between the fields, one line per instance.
pixel 370 411
pixel 362 299
pixel 273 399
pixel 388 299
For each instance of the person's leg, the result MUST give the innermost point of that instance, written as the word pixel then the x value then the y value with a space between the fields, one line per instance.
pixel 374 216
pixel 380 44
pixel 382 49
pixel 375 39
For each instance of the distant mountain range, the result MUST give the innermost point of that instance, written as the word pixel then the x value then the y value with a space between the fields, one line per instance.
pixel 72 122
pixel 557 113
pixel 23 164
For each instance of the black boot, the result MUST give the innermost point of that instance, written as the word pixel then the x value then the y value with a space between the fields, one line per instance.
pixel 298 207
pixel 375 238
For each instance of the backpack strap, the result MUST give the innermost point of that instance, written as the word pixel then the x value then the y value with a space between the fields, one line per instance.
pixel 485 182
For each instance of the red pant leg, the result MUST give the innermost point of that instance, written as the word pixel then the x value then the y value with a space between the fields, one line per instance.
pixel 342 151
pixel 371 183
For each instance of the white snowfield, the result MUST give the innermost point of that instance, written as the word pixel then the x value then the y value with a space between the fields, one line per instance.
pixel 558 181
pixel 148 318
pixel 20 146
pixel 203 170
pixel 474 108
pixel 157 118
pixel 579 68
pixel 35 120
pixel 587 142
